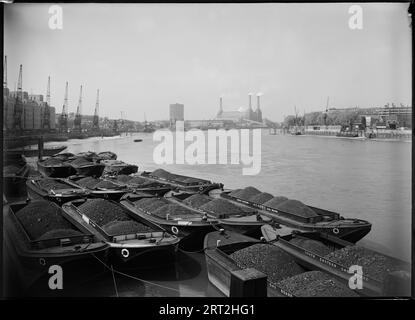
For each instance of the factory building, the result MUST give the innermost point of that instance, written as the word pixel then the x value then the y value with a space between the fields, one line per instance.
pixel 31 117
pixel 176 113
pixel 242 113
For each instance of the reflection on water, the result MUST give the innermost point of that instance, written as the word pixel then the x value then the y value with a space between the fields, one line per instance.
pixel 362 179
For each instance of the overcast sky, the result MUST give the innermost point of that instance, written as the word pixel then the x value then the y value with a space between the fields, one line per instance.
pixel 145 56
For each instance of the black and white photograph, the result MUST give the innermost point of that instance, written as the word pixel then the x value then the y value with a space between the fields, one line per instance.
pixel 228 150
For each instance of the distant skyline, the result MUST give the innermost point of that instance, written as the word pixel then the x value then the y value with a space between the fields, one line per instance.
pixel 144 57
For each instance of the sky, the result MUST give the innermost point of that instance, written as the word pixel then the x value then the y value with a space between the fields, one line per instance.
pixel 144 57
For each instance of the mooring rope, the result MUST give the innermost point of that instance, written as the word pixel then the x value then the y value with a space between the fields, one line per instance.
pixel 115 283
pixel 133 277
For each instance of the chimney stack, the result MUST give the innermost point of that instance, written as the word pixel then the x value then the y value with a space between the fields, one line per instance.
pixel 220 104
pixel 258 98
pixel 250 100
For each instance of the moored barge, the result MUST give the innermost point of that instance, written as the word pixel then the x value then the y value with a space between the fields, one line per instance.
pixel 232 217
pixel 181 182
pixel 54 189
pixel 227 252
pixel 133 241
pixel 185 223
pixel 39 235
pixel 296 215
pixel 381 275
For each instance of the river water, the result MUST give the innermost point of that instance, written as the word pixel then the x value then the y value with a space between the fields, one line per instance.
pixel 370 180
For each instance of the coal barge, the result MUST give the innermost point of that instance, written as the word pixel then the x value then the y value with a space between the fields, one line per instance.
pixel 298 216
pixel 38 235
pixel 132 240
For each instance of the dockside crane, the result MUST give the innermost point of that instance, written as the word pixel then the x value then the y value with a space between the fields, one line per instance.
pixel 78 115
pixel 18 105
pixel 95 122
pixel 63 120
pixel 46 109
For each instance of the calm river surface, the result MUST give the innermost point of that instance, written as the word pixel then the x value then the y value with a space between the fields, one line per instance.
pixel 369 180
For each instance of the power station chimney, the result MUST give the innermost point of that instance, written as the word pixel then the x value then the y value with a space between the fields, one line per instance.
pixel 258 101
pixel 20 84
pixel 5 72
pixel 65 102
pixel 95 122
pixel 48 92
pixel 220 107
pixel 97 105
pixel 250 101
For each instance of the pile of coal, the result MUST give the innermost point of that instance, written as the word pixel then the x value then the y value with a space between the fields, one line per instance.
pixel 246 193
pixel 150 204
pixel 103 211
pixel 124 178
pixel 261 198
pixel 374 265
pixel 107 155
pixel 269 259
pixel 296 207
pixel 89 155
pixel 88 182
pixel 233 193
pixel 105 184
pixel 60 233
pixel 314 246
pixel 174 211
pixel 274 202
pixel 197 200
pixel 178 177
pixel 138 180
pixel 81 161
pixel 52 184
pixel 52 162
pixel 142 203
pixel 40 216
pixel 220 207
pixel 160 173
pixel 126 227
pixel 315 284
pixel 155 204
